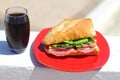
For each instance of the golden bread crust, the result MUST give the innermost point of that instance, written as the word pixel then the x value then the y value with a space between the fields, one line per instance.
pixel 70 29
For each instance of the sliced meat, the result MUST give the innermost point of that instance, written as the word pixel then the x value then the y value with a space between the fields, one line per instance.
pixel 60 52
pixel 86 50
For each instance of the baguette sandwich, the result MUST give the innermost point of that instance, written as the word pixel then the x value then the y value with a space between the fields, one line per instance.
pixel 71 38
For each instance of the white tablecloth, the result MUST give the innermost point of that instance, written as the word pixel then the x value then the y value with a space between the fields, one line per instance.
pixel 24 66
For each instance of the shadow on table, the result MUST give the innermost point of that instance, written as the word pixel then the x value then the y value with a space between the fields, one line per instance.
pixel 45 73
pixel 4 48
pixel 107 76
pixel 33 59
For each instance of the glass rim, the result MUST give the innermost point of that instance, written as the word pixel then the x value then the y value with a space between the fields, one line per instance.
pixel 25 13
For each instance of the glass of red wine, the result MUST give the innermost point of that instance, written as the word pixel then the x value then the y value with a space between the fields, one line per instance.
pixel 17 28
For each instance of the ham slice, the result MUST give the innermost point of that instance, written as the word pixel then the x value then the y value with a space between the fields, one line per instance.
pixel 86 50
pixel 60 52
pixel 65 52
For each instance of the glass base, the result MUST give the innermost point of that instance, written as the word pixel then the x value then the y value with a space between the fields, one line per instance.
pixel 18 51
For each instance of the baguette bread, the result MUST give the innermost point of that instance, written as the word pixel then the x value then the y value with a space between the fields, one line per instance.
pixel 70 29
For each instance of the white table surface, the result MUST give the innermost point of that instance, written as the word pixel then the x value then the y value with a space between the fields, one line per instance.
pixel 37 71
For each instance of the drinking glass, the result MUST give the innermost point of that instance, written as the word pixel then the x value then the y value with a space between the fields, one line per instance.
pixel 17 28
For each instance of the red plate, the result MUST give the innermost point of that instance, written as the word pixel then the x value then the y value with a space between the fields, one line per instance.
pixel 71 63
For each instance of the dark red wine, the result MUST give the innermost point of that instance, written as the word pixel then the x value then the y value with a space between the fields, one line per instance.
pixel 17 30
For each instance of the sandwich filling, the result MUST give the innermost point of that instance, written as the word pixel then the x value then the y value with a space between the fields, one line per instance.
pixel 84 45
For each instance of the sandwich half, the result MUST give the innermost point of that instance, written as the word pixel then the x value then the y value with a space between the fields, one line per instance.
pixel 71 38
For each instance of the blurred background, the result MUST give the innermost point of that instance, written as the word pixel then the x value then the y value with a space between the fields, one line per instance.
pixel 46 13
